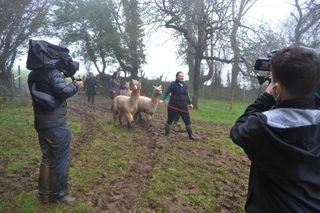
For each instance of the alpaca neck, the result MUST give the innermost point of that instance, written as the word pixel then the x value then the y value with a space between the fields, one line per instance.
pixel 134 97
pixel 155 98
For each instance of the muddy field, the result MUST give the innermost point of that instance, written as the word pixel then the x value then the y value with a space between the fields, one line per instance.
pixel 125 193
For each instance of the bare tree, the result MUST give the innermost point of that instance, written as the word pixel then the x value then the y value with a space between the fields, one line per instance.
pixel 257 42
pixel 208 18
pixel 239 9
pixel 303 24
pixel 19 20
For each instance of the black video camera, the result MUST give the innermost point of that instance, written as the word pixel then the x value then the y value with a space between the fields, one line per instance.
pixel 262 67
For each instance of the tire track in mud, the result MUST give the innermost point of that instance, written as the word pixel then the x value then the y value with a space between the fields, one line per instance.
pixel 123 193
pixel 89 127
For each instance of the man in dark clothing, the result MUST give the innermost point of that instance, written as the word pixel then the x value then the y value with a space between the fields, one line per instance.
pixel 280 133
pixel 49 92
pixel 90 87
pixel 179 104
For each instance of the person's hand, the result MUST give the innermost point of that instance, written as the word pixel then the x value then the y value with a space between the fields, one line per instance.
pixel 160 101
pixel 270 89
pixel 79 84
pixel 190 106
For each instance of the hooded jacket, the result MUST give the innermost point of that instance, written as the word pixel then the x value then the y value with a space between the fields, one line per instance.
pixel 49 92
pixel 283 144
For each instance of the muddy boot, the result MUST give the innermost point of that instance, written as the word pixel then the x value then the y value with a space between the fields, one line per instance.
pixel 189 130
pixel 167 129
pixel 44 183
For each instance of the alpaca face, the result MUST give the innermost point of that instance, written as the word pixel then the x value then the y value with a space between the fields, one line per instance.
pixel 157 90
pixel 136 84
pixel 127 85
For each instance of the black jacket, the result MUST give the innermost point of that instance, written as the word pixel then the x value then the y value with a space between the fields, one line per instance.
pixel 179 96
pixel 49 92
pixel 90 86
pixel 283 145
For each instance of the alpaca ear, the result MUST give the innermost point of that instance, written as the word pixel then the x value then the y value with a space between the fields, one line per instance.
pixel 153 86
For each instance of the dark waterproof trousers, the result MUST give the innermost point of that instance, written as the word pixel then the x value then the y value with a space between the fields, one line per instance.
pixel 55 148
pixel 173 114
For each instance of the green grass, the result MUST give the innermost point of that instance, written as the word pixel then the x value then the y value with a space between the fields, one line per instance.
pixel 184 179
pixel 19 143
pixel 179 176
pixel 217 111
pixel 103 159
pixel 2 205
pixel 27 202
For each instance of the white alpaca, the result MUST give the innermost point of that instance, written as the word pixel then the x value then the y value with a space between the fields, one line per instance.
pixel 126 91
pixel 149 105
pixel 126 105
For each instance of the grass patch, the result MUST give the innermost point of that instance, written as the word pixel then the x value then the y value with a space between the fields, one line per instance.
pixel 218 111
pixel 227 144
pixel 19 143
pixel 75 126
pixel 26 201
pixel 183 178
pixel 103 160
pixel 2 205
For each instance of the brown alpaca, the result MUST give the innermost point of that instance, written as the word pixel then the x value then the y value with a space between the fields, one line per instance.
pixel 149 105
pixel 126 105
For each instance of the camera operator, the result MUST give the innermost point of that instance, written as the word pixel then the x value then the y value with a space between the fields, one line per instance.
pixel 280 133
pixel 49 64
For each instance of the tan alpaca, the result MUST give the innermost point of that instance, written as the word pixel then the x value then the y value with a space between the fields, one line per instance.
pixel 149 105
pixel 126 91
pixel 126 105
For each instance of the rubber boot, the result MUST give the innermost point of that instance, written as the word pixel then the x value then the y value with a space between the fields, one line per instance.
pixel 189 130
pixel 53 181
pixel 167 129
pixel 44 183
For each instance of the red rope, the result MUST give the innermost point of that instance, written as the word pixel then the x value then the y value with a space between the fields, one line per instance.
pixel 175 108
pixel 167 105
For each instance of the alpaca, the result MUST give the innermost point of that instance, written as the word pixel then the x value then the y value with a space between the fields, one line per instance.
pixel 126 105
pixel 149 105
pixel 126 89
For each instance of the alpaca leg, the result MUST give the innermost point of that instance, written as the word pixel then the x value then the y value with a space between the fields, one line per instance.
pixel 149 117
pixel 135 117
pixel 120 118
pixel 129 120
pixel 115 118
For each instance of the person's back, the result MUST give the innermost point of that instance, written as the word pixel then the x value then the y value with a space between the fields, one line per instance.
pixel 282 139
pixel 53 87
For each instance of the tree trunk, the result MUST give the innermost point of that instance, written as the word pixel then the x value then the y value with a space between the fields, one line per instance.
pixel 196 80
